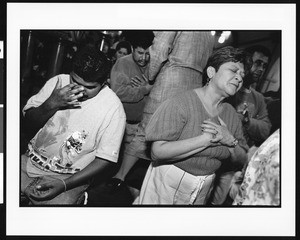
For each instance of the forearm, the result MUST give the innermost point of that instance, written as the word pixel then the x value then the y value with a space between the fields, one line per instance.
pixel 164 151
pixel 259 130
pixel 98 166
pixel 36 117
pixel 238 155
pixel 56 187
pixel 127 93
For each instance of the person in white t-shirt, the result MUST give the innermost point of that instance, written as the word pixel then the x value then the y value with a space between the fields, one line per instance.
pixel 80 124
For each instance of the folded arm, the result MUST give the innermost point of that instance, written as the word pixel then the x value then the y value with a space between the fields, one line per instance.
pixel 121 85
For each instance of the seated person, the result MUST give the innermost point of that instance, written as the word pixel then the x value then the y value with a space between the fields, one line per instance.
pixel 193 133
pixel 80 124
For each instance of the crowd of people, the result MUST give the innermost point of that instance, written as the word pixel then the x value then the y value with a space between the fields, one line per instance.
pixel 167 98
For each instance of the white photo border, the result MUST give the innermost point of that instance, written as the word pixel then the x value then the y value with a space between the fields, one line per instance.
pixel 107 221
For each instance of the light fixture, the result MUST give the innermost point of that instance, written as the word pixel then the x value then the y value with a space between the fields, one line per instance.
pixel 226 34
pixel 221 39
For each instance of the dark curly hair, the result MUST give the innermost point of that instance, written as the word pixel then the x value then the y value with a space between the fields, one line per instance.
pixel 227 54
pixel 259 48
pixel 141 38
pixel 91 64
pixel 124 44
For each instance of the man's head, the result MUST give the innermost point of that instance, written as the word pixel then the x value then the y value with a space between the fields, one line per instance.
pixel 91 64
pixel 141 42
pixel 260 57
pixel 90 70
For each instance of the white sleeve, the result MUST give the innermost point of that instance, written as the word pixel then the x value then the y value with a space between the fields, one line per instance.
pixel 111 139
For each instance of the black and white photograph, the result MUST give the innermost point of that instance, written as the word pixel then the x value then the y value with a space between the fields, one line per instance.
pixel 140 118
pixel 223 169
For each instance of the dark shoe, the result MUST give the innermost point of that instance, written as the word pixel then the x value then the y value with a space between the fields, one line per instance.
pixel 115 184
pixel 114 192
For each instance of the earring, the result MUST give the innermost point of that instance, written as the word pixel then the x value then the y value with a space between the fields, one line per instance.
pixel 208 80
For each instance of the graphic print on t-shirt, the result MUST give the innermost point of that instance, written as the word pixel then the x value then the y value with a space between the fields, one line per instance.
pixel 56 145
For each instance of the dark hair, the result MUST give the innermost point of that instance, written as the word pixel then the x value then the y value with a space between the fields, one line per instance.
pixel 91 64
pixel 142 39
pixel 259 48
pixel 124 44
pixel 224 55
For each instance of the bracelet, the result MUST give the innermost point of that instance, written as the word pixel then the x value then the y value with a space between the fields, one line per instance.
pixel 64 184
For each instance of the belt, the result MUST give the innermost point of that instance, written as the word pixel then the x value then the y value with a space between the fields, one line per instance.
pixel 132 122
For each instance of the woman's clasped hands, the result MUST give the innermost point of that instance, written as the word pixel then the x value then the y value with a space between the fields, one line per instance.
pixel 220 134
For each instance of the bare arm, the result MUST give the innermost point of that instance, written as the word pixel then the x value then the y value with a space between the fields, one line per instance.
pixel 97 166
pixel 56 187
pixel 172 151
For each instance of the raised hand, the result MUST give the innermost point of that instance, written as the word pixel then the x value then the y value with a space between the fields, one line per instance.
pixel 48 190
pixel 67 96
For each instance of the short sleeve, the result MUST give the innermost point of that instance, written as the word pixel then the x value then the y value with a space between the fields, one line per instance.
pixel 167 122
pixel 110 141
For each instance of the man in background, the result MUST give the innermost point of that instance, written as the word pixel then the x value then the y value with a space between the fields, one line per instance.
pixel 252 110
pixel 129 80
